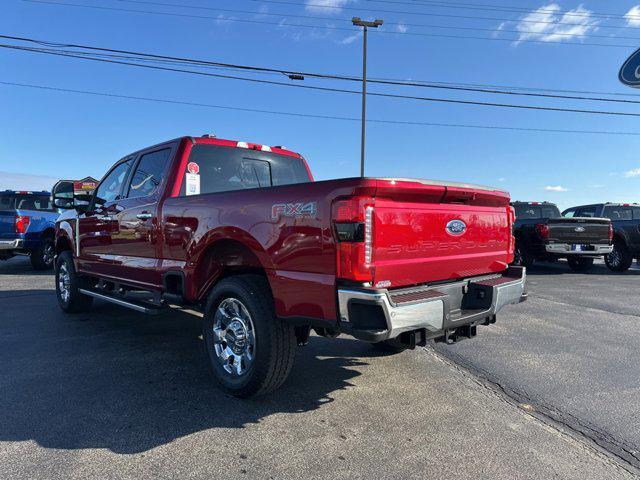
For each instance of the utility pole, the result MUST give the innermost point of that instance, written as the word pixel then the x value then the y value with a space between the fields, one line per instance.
pixel 375 24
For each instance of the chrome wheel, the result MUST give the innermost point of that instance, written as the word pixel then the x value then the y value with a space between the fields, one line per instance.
pixel 64 283
pixel 233 337
pixel 614 258
pixel 48 254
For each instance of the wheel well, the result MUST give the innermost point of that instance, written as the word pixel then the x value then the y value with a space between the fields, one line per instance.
pixel 62 244
pixel 620 238
pixel 48 232
pixel 225 258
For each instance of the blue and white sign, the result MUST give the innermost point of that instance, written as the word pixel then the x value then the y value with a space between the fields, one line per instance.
pixel 630 71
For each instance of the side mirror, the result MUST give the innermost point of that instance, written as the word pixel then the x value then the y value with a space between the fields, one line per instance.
pixel 63 196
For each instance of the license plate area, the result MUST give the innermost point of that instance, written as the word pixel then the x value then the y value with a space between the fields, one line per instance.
pixel 577 248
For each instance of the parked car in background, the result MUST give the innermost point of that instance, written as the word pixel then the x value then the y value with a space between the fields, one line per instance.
pixel 625 218
pixel 27 227
pixel 242 232
pixel 543 234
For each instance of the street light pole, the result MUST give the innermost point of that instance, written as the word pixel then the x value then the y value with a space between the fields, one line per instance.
pixel 375 24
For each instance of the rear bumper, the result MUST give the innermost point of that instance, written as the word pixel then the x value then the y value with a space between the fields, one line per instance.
pixel 16 244
pixel 377 315
pixel 565 249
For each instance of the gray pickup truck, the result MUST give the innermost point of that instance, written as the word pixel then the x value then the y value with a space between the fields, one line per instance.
pixel 543 234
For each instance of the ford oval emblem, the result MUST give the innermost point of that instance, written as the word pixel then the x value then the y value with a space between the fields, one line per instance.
pixel 630 72
pixel 456 227
pixel 579 229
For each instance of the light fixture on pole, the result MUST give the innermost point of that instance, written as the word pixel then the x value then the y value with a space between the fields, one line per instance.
pixel 358 22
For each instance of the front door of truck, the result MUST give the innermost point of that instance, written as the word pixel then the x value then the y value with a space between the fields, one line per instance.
pixel 97 224
pixel 134 238
pixel 625 221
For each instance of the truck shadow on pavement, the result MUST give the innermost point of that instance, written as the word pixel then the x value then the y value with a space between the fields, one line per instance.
pixel 21 265
pixel 128 383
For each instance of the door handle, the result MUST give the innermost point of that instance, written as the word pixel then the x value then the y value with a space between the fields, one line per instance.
pixel 144 216
pixel 105 218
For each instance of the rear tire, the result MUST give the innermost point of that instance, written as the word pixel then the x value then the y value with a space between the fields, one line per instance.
pixel 392 346
pixel 522 258
pixel 251 351
pixel 42 258
pixel 580 264
pixel 620 260
pixel 67 286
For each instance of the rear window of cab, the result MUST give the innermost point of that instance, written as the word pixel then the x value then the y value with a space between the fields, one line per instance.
pixel 532 212
pixel 212 169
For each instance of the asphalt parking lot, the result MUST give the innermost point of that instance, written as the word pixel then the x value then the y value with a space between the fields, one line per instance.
pixel 550 391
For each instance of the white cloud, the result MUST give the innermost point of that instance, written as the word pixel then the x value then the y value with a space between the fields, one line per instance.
pixel 351 38
pixel 25 181
pixel 632 173
pixel 633 16
pixel 402 28
pixel 549 24
pixel 597 185
pixel 502 179
pixel 555 188
pixel 329 7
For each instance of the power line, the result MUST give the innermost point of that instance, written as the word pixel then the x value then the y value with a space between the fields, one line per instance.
pixel 131 55
pixel 496 8
pixel 286 72
pixel 335 90
pixel 328 27
pixel 309 115
pixel 348 20
pixel 474 17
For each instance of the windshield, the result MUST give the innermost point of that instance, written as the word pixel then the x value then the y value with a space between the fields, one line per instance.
pixel 221 169
pixel 17 201
pixel 531 212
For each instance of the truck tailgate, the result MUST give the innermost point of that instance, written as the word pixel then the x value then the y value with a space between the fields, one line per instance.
pixel 7 224
pixel 586 231
pixel 417 235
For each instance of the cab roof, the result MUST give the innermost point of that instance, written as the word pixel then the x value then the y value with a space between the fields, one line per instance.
pixel 25 192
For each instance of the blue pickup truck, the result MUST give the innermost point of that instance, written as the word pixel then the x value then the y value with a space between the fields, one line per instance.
pixel 27 222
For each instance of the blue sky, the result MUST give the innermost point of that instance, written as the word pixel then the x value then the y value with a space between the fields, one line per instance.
pixel 53 134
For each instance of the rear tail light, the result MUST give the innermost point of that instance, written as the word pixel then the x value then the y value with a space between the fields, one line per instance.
pixel 353 228
pixel 610 233
pixel 22 223
pixel 543 230
pixel 512 222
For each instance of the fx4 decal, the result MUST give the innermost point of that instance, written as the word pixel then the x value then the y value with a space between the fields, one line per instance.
pixel 296 210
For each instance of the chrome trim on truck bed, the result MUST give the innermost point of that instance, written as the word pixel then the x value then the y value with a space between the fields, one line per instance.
pixel 11 244
pixel 434 308
pixel 565 249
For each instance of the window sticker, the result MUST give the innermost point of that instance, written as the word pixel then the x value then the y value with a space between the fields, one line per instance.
pixel 193 167
pixel 193 184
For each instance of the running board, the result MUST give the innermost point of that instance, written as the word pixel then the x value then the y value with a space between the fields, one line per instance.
pixel 123 303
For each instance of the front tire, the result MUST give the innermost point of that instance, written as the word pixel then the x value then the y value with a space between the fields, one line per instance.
pixel 42 258
pixel 67 286
pixel 251 351
pixel 620 260
pixel 580 264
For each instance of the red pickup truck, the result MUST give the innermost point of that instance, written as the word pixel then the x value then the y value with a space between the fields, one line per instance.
pixel 242 232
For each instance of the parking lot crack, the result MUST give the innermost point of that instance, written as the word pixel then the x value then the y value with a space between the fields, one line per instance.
pixel 617 451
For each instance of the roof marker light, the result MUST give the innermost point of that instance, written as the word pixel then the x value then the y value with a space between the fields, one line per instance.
pixel 265 148
pixel 242 145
